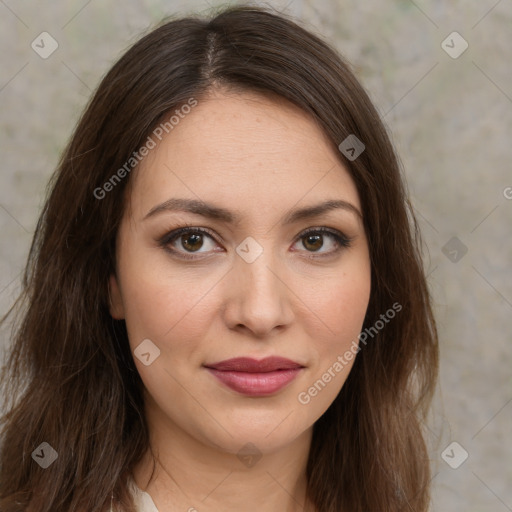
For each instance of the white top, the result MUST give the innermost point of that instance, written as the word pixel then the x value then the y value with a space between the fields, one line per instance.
pixel 143 501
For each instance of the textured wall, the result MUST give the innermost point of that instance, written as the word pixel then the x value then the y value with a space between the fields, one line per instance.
pixel 451 118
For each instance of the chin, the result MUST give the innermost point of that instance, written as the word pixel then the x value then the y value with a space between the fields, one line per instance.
pixel 266 432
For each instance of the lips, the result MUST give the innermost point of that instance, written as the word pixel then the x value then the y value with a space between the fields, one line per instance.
pixel 255 378
pixel 248 365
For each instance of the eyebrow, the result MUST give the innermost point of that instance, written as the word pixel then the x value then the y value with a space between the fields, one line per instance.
pixel 233 217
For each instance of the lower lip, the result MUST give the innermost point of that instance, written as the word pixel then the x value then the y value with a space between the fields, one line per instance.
pixel 256 384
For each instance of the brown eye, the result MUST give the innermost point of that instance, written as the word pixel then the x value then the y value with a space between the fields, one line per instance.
pixel 185 242
pixel 192 242
pixel 313 242
pixel 323 241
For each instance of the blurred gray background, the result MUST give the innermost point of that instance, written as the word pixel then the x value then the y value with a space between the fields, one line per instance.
pixel 449 109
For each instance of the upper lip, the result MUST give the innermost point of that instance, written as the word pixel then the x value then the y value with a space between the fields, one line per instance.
pixel 246 364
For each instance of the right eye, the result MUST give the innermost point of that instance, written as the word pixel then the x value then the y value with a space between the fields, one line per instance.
pixel 187 241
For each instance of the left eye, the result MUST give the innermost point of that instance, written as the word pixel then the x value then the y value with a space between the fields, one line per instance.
pixel 313 241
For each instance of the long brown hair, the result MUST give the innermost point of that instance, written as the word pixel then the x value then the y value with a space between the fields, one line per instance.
pixel 70 380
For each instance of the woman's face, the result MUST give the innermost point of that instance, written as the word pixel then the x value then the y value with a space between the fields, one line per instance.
pixel 274 262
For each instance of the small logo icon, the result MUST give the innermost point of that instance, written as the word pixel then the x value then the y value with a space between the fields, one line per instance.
pixel 454 455
pixel 454 250
pixel 351 147
pixel 454 45
pixel 146 352
pixel 249 455
pixel 249 249
pixel 44 455
pixel 44 45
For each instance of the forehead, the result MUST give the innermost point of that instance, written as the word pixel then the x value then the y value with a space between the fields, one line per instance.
pixel 243 149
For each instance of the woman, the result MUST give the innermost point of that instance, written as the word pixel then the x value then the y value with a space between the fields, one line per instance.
pixel 224 306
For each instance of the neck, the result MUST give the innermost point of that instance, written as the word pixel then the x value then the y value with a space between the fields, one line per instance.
pixel 195 476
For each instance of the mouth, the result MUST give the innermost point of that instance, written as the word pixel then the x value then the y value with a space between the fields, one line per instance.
pixel 255 378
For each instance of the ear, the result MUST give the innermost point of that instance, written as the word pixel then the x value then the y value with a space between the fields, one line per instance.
pixel 116 301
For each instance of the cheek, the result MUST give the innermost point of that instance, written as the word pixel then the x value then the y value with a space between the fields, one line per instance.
pixel 166 307
pixel 174 312
pixel 351 304
pixel 341 304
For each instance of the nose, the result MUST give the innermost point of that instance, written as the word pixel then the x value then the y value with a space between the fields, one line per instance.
pixel 259 299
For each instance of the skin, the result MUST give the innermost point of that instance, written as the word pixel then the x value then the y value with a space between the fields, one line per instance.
pixel 260 157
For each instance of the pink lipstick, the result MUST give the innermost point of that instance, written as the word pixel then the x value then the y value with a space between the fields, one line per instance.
pixel 255 378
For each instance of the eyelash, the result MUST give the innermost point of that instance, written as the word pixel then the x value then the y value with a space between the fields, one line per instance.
pixel 341 240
